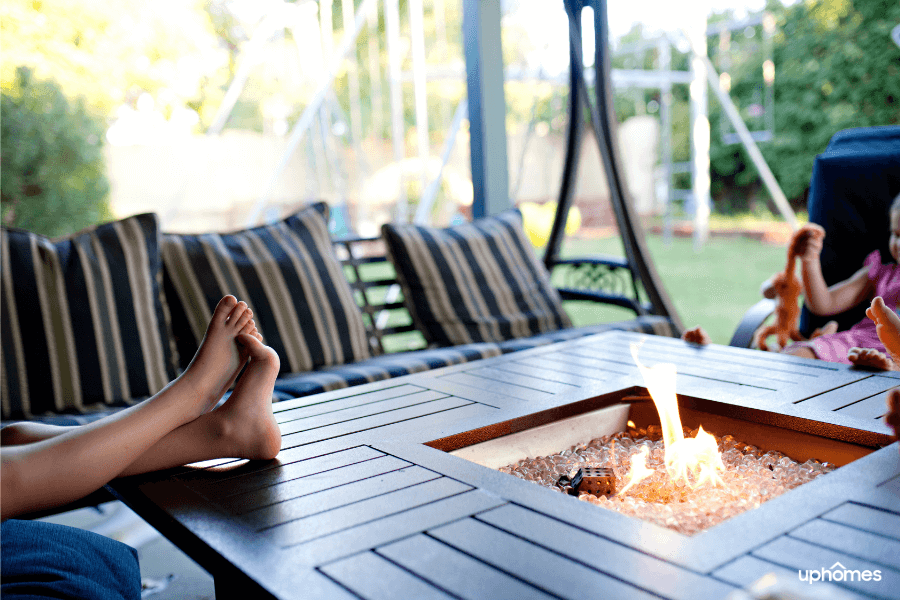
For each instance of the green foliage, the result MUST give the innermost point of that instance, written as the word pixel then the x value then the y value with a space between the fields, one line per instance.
pixel 110 52
pixel 52 178
pixel 836 67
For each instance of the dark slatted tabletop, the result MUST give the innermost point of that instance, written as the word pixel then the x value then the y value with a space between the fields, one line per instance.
pixel 363 501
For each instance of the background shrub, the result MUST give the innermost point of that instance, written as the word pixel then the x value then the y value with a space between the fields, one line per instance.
pixel 52 174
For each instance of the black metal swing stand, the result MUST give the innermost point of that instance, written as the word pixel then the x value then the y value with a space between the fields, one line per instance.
pixel 643 293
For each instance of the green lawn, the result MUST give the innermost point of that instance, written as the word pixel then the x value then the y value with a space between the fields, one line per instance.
pixel 712 287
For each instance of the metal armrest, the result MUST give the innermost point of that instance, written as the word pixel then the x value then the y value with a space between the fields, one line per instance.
pixel 605 279
pixel 610 261
pixel 604 298
pixel 752 320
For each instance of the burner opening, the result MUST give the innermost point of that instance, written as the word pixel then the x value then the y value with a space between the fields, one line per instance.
pixel 593 455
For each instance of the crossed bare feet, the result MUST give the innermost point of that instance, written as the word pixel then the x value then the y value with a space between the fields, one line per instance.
pixel 244 423
pixel 219 359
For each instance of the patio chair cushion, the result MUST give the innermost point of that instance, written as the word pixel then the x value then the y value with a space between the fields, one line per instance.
pixel 83 320
pixel 379 368
pixel 477 282
pixel 286 272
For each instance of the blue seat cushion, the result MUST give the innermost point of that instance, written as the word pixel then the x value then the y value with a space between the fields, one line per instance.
pixel 405 363
pixel 648 324
pixel 379 368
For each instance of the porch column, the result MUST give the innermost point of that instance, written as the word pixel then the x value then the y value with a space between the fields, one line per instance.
pixel 487 106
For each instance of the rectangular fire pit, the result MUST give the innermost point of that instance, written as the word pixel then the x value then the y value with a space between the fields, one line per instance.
pixel 556 453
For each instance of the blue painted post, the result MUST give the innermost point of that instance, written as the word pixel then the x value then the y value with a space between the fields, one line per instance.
pixel 487 106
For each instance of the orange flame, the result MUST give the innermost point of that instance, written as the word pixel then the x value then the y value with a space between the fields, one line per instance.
pixel 693 460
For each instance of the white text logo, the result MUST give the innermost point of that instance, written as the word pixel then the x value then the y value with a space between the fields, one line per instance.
pixel 838 572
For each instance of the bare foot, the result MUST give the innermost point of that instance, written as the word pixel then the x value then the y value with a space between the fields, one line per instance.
pixel 870 358
pixel 247 421
pixel 828 328
pixel 887 326
pixel 892 418
pixel 218 360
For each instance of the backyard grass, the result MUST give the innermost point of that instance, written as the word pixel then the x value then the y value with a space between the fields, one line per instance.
pixel 712 287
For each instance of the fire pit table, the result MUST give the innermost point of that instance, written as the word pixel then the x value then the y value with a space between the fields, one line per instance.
pixel 377 491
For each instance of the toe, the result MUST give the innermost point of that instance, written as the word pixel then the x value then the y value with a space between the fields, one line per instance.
pixel 242 320
pixel 248 328
pixel 236 313
pixel 224 308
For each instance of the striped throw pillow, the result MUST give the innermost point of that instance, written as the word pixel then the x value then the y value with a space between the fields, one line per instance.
pixel 83 321
pixel 477 282
pixel 287 273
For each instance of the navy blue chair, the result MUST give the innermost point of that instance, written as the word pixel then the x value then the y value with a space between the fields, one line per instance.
pixel 853 184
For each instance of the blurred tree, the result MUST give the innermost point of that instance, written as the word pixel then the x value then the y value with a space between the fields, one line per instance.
pixel 110 52
pixel 52 178
pixel 835 67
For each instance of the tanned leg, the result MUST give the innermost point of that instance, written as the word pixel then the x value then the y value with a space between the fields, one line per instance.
pixel 65 467
pixel 888 329
pixel 243 427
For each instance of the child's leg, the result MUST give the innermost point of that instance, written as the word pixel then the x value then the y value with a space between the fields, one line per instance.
pixel 244 427
pixel 66 467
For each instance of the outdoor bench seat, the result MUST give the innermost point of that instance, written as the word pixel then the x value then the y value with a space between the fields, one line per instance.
pixel 364 263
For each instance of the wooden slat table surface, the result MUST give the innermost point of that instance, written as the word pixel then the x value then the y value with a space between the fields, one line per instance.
pixel 357 505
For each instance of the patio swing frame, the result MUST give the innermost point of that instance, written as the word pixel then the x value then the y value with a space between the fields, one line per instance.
pixel 586 273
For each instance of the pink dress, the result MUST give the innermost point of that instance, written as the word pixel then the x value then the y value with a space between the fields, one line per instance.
pixel 834 347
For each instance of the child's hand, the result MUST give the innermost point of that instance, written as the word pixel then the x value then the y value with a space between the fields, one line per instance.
pixel 808 242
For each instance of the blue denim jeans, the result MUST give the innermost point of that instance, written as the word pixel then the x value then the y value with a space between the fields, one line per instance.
pixel 46 560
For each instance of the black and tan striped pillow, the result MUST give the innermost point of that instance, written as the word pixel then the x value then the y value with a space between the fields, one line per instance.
pixel 82 318
pixel 477 282
pixel 287 273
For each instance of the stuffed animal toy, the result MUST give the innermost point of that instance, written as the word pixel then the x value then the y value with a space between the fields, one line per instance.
pixel 786 288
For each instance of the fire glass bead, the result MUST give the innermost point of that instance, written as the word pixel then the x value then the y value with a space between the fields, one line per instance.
pixel 751 478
